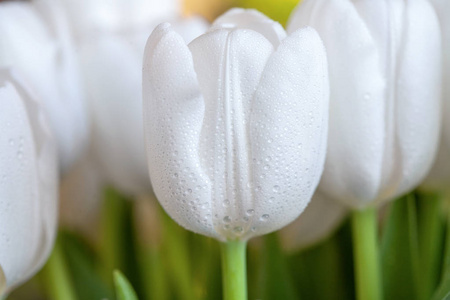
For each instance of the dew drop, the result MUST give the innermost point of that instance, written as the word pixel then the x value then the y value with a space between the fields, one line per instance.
pixel 276 188
pixel 238 229
pixel 227 219
pixel 250 212
pixel 264 217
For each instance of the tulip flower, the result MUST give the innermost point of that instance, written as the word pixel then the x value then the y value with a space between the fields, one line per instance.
pixel 116 100
pixel 385 75
pixel 319 221
pixel 377 150
pixel 28 184
pixel 235 128
pixel 35 41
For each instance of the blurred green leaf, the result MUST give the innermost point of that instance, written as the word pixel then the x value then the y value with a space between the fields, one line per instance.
pixel 118 239
pixel 443 291
pixel 124 290
pixel 83 267
pixel 176 250
pixel 325 271
pixel 431 239
pixel 57 280
pixel 277 282
pixel 400 251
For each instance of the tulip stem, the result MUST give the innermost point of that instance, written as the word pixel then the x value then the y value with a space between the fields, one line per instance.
pixel 365 253
pixel 234 270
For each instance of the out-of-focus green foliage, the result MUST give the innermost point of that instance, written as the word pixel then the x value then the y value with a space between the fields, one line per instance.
pixel 124 290
pixel 277 10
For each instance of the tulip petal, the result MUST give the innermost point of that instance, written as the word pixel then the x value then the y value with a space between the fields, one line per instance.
pixel 229 64
pixel 288 125
pixel 418 108
pixel 251 19
pixel 320 219
pixel 173 118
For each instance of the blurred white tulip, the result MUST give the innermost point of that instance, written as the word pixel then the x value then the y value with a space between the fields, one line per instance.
pixel 112 69
pixel 28 184
pixel 439 177
pixel 320 219
pixel 385 77
pixel 35 40
pixel 235 124
pixel 125 16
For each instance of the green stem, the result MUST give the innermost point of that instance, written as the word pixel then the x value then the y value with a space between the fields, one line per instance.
pixel 430 234
pixel 366 261
pixel 56 276
pixel 234 270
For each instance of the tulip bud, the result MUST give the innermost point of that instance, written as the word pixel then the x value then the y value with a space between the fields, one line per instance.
pixel 35 41
pixel 28 185
pixel 235 125
pixel 385 76
pixel 116 101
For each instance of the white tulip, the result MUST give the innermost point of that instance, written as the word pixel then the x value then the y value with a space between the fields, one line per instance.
pixel 28 185
pixel 318 222
pixel 439 176
pixel 235 125
pixel 93 17
pixel 112 69
pixel 385 76
pixel 35 41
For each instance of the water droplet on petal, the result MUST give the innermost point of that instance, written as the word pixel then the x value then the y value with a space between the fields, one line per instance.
pixel 264 217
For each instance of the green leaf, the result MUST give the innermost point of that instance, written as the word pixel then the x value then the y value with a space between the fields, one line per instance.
pixel 124 290
pixel 400 251
pixel 443 291
pixel 325 271
pixel 277 283
pixel 56 276
pixel 431 239
pixel 83 267
pixel 176 248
